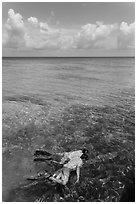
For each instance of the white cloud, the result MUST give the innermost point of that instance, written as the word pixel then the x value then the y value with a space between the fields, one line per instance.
pixel 107 43
pixel 30 33
pixel 44 26
pixel 127 29
pixel 33 21
pixel 97 35
pixel 15 20
pixel 126 38
pixel 66 42
pixel 14 30
pixel 95 31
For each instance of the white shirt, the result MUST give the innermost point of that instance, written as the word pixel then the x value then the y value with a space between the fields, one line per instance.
pixel 73 158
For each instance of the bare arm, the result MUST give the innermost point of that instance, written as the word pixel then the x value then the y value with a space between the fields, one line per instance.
pixel 60 154
pixel 78 173
pixel 65 158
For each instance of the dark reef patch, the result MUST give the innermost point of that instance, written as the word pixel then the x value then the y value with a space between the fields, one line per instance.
pixel 25 98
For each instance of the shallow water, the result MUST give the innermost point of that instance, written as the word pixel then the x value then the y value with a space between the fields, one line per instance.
pixel 44 105
pixel 88 80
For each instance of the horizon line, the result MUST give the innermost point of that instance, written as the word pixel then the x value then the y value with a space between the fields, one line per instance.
pixel 67 56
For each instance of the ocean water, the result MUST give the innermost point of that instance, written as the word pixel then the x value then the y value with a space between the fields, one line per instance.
pixel 61 104
pixel 87 80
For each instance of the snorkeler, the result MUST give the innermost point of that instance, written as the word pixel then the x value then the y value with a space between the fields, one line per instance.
pixel 71 161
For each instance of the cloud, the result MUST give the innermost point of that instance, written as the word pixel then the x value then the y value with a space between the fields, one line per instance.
pixel 44 26
pixel 66 42
pixel 127 29
pixel 111 36
pixel 19 33
pixel 14 30
pixel 28 34
pixel 15 20
pixel 97 35
pixel 33 21
pixel 126 38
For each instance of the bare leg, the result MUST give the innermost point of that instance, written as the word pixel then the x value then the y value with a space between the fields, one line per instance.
pixel 61 176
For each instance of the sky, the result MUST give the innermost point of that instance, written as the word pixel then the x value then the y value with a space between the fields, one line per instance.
pixel 66 29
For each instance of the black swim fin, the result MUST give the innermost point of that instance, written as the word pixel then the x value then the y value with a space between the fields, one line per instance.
pixel 42 152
